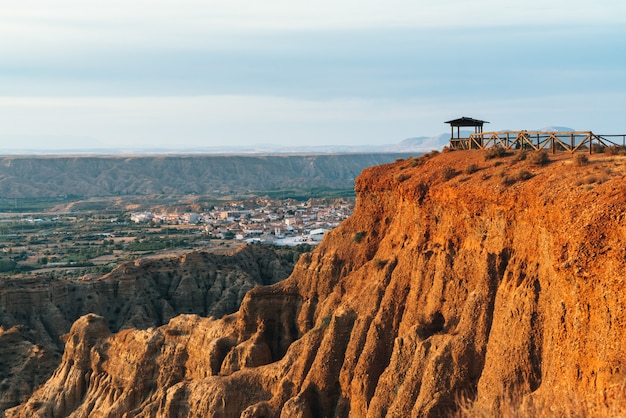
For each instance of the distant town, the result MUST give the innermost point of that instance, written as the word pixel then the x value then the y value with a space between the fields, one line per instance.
pixel 91 242
pixel 273 222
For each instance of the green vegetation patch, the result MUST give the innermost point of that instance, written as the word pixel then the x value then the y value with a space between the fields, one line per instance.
pixel 303 195
pixel 358 236
pixel 7 265
pixel 156 244
pixel 31 204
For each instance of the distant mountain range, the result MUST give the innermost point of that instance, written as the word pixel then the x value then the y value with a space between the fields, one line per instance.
pixel 418 144
pixel 413 145
pixel 98 175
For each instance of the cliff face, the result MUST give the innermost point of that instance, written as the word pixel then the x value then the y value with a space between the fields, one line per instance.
pixel 36 312
pixel 502 282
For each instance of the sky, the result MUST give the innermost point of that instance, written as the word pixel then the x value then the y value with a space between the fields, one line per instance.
pixel 182 74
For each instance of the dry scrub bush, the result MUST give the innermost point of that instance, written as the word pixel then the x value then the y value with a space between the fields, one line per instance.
pixel 539 157
pixel 494 152
pixel 470 169
pixel 448 172
pixel 523 175
pixel 508 180
pixel 417 161
pixel 586 180
pixel 615 150
pixel 402 177
pixel 521 155
pixel 414 161
pixel 580 160
pixel 597 148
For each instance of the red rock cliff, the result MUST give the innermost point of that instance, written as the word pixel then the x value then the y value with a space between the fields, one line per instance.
pixel 456 277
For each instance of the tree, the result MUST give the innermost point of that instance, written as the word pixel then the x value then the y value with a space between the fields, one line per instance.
pixel 7 265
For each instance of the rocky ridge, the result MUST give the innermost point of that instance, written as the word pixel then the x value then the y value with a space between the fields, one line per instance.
pixel 53 176
pixel 36 312
pixel 456 277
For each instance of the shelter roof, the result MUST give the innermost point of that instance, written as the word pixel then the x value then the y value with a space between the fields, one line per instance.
pixel 465 121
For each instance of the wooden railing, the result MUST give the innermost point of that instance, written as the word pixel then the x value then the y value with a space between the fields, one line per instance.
pixel 536 140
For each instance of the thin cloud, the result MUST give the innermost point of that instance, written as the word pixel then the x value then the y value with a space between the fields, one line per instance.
pixel 236 15
pixel 195 71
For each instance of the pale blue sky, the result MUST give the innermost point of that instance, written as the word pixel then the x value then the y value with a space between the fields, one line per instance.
pixel 188 73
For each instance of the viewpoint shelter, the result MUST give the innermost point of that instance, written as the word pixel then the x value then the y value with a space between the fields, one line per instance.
pixel 463 143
